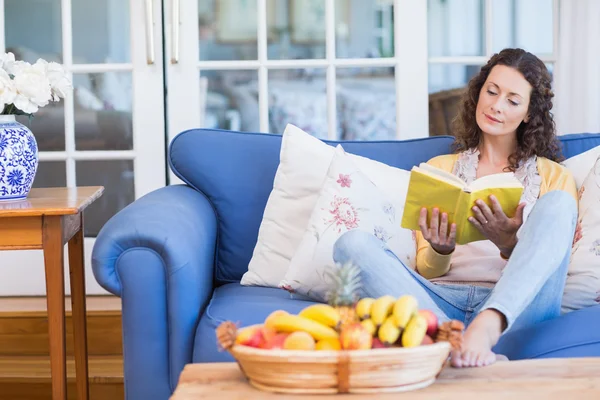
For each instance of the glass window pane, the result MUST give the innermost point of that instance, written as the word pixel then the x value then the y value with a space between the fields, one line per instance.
pixel 455 28
pixel 51 174
pixel 230 100
pixel 364 29
pixel 447 83
pixel 227 29
pixel 296 29
pixel 117 178
pixel 48 126
pixel 100 31
pixel 103 114
pixel 33 29
pixel 366 103
pixel 298 97
pixel 524 24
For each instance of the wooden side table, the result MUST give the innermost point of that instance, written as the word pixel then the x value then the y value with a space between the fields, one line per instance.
pixel 46 220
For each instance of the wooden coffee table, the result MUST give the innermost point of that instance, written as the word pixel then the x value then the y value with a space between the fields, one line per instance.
pixel 575 378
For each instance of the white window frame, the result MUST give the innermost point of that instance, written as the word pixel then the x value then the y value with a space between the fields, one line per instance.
pixel 410 77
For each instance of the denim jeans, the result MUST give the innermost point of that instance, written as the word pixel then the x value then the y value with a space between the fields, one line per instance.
pixel 529 290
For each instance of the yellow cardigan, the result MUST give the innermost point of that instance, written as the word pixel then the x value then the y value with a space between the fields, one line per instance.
pixel 431 264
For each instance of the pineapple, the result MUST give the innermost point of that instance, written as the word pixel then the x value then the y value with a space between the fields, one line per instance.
pixel 344 293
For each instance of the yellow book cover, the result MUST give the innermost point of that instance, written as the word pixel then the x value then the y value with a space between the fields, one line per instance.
pixel 432 187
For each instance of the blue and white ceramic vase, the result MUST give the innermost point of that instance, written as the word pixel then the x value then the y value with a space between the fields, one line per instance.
pixel 18 159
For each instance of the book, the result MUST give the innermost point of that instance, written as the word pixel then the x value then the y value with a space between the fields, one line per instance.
pixel 432 187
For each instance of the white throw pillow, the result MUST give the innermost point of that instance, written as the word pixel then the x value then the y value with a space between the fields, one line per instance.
pixel 582 288
pixel 580 165
pixel 304 162
pixel 348 200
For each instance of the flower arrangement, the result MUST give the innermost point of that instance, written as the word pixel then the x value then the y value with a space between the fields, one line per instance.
pixel 24 88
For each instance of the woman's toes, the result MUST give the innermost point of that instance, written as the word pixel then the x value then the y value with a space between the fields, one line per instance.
pixel 469 359
pixel 456 359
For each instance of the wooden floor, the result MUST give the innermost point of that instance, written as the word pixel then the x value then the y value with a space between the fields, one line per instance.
pixel 24 361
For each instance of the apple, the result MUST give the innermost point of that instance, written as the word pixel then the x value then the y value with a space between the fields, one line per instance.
pixel 355 337
pixel 275 342
pixel 250 336
pixel 377 344
pixel 432 322
pixel 427 340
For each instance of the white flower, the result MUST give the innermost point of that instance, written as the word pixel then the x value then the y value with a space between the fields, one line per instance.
pixel 7 90
pixel 59 83
pixel 7 62
pixel 33 87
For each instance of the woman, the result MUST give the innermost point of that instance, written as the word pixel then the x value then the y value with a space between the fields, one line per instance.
pixel 516 277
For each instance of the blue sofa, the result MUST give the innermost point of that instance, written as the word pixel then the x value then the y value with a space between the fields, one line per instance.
pixel 176 256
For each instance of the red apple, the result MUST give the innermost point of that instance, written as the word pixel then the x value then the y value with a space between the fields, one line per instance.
pixel 275 342
pixel 427 340
pixel 250 336
pixel 355 337
pixel 432 322
pixel 377 344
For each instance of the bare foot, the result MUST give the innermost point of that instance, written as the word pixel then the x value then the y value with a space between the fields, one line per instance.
pixel 481 335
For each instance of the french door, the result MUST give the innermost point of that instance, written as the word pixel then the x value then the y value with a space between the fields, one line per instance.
pixel 145 70
pixel 111 130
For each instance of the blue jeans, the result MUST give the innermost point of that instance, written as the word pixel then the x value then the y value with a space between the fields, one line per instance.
pixel 529 290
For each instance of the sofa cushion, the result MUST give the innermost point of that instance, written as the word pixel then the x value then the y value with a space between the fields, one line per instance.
pixel 576 334
pixel 243 305
pixel 296 189
pixel 582 288
pixel 236 170
pixel 349 200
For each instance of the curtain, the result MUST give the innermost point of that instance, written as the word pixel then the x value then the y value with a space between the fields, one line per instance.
pixel 577 74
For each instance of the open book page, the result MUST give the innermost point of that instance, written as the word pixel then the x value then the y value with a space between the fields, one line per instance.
pixel 440 173
pixel 505 180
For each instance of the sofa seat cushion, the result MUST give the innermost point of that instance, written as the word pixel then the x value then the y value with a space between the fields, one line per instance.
pixel 244 305
pixel 576 334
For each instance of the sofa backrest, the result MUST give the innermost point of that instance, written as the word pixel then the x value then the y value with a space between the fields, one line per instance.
pixel 236 170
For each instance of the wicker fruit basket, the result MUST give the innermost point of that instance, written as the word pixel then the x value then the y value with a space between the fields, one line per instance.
pixel 345 371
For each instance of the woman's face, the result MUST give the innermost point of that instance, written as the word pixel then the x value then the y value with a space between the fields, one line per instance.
pixel 503 101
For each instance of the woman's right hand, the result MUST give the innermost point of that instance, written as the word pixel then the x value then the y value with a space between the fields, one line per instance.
pixel 437 233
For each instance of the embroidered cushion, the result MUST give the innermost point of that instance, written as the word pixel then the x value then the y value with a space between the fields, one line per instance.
pixel 348 200
pixel 582 288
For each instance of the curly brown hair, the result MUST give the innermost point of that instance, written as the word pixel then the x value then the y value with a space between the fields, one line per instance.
pixel 535 137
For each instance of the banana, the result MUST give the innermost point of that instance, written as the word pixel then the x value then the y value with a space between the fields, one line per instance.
pixel 381 309
pixel 404 308
pixel 322 313
pixel 293 323
pixel 369 325
pixel 415 331
pixel 363 307
pixel 388 332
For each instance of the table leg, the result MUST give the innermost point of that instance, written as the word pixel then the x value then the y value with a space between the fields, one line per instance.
pixel 77 276
pixel 55 298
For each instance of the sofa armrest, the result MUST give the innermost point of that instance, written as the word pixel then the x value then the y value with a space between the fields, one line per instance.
pixel 157 254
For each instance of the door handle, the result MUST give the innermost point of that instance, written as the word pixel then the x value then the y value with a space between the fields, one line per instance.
pixel 175 22
pixel 149 32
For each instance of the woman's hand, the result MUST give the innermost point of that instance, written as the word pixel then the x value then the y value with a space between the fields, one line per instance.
pixel 496 226
pixel 437 234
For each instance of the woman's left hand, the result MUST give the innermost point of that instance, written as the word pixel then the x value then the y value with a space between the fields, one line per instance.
pixel 496 226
